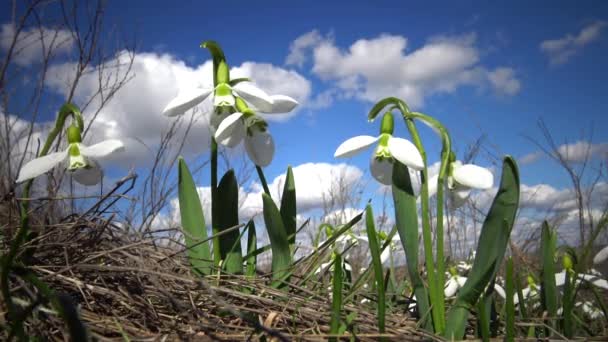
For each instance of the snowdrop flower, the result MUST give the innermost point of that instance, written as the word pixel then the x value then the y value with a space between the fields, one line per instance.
pixel 463 178
pixel 454 283
pixel 80 159
pixel 224 95
pixel 246 125
pixel 345 266
pixel 389 149
pixel 560 280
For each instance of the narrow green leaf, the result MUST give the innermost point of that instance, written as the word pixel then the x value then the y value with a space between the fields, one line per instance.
pixel 252 245
pixel 510 303
pixel 288 208
pixel 548 287
pixel 491 248
pixel 568 307
pixel 281 254
pixel 193 221
pixel 374 248
pixel 483 317
pixel 229 243
pixel 406 218
pixel 336 304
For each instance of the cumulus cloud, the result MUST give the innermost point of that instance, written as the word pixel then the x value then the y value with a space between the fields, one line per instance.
pixel 33 44
pixel 134 113
pixel 315 183
pixel 372 68
pixel 561 50
pixel 577 152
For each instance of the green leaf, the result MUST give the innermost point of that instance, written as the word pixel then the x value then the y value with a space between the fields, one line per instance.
pixel 491 248
pixel 548 292
pixel 229 243
pixel 288 208
pixel 336 304
pixel 252 245
pixel 281 254
pixel 374 249
pixel 406 218
pixel 510 303
pixel 193 221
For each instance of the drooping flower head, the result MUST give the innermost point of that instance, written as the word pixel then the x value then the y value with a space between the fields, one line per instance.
pixel 79 158
pixel 388 150
pixel 246 125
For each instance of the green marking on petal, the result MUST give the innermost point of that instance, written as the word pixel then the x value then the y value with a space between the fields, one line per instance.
pixel 382 151
pixel 76 159
pixel 223 95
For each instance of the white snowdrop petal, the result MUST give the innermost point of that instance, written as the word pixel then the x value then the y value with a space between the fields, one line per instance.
pixel 254 95
pixel 260 148
pixel 88 176
pixel 186 100
pixel 227 126
pixel 354 145
pixel 451 288
pixel 433 185
pixel 39 166
pixel 601 256
pixel 382 170
pixel 102 149
pixel 406 152
pixel 473 176
pixel 281 104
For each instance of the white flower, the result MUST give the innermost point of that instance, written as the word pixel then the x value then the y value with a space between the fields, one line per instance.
pixel 601 256
pixel 79 160
pixel 389 149
pixel 453 284
pixel 253 129
pixel 223 95
pixel 463 178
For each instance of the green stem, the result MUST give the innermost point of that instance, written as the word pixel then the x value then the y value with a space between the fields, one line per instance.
pixel 436 287
pixel 8 259
pixel 263 179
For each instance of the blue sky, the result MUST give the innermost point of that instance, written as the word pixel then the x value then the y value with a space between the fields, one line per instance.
pixel 568 96
pixel 478 67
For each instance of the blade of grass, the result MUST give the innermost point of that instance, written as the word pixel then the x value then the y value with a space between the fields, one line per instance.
pixel 372 237
pixel 336 304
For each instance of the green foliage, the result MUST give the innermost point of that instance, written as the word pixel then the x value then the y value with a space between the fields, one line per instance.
pixel 509 302
pixel 228 218
pixel 288 208
pixel 336 306
pixel 406 218
pixel 193 221
pixel 252 244
pixel 377 264
pixel 281 254
pixel 548 288
pixel 491 248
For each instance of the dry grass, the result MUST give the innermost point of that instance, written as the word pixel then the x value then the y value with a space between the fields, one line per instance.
pixel 131 288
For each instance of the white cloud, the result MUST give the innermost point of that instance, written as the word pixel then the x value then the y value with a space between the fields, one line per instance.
pixel 371 69
pixel 577 152
pixel 134 114
pixel 582 150
pixel 315 182
pixel 297 49
pixel 562 49
pixel 33 43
